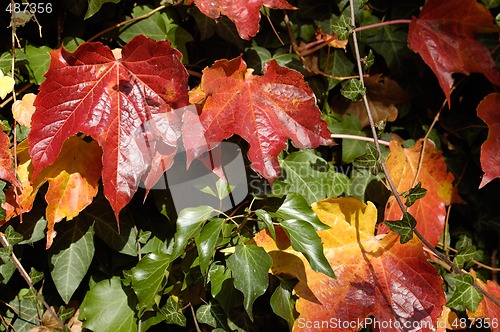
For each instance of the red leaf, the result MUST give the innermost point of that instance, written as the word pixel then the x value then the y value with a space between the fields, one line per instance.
pixel 6 171
pixel 488 111
pixel 109 99
pixel 264 110
pixel 244 13
pixel 443 35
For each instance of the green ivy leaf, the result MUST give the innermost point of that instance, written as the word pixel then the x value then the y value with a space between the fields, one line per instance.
pixel 370 160
pixel 464 256
pixel 491 3
pixel 173 312
pixel 189 222
pixel 33 230
pixel 12 236
pixel 148 279
pixel 266 218
pixel 213 315
pixel 465 294
pixel 342 27
pixel 39 60
pixel 250 265
pixel 206 25
pixel 106 308
pixel 206 242
pixel 35 276
pixel 282 303
pixel 306 240
pixel 403 227
pixel 95 5
pixel 353 90
pixel 70 257
pixel 414 193
pixel 294 207
pixel 26 310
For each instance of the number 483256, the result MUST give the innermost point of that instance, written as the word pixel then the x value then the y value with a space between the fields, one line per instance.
pixel 33 8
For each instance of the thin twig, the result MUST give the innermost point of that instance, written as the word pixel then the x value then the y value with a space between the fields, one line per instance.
pixel 131 20
pixel 388 177
pixel 359 138
pixel 27 278
pixel 381 24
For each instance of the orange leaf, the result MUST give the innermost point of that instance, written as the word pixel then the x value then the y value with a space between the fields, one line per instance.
pixel 6 171
pixel 376 275
pixel 429 211
pixel 487 312
pixel 22 110
pixel 73 181
pixel 487 110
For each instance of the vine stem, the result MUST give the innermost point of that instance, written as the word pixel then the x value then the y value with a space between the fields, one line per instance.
pixel 381 24
pixel 359 138
pixel 386 172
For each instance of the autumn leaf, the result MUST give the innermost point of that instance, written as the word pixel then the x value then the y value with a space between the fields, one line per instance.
pixel 487 311
pixel 264 110
pixel 244 13
pixel 111 100
pixel 487 110
pixel 6 85
pixel 429 211
pixel 376 275
pixel 73 182
pixel 443 35
pixel 23 109
pixel 6 171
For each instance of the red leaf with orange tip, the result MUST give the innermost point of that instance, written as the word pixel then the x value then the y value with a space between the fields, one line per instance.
pixel 244 13
pixel 429 211
pixel 376 275
pixel 6 170
pixel 488 111
pixel 109 99
pixel 264 110
pixel 443 35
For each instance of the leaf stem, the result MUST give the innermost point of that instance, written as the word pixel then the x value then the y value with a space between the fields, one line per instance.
pixel 359 138
pixel 381 24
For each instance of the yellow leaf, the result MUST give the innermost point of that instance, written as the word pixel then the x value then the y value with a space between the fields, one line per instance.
pixel 22 110
pixel 6 85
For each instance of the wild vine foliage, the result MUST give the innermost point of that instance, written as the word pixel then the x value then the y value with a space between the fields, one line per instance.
pixel 249 165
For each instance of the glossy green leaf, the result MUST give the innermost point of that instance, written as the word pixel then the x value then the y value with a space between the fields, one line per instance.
pixel 173 312
pixel 296 207
pixel 213 315
pixel 264 216
pixel 32 230
pixel 95 5
pixel 39 60
pixel 403 227
pixel 217 274
pixel 306 240
pixel 207 240
pixel 250 265
pixel 70 257
pixel 106 308
pixel 351 148
pixel 35 276
pixel 338 65
pixel 148 278
pixel 189 222
pixel 465 295
pixel 391 42
pixel 26 310
pixel 353 90
pixel 12 236
pixel 282 303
